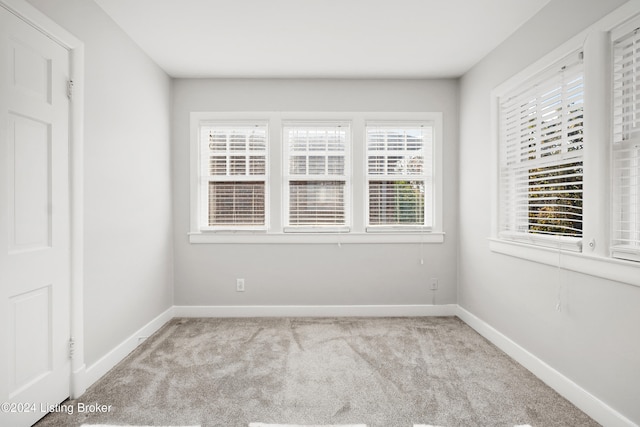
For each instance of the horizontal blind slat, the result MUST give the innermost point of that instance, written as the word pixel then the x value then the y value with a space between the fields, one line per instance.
pixel 236 203
pixel 317 203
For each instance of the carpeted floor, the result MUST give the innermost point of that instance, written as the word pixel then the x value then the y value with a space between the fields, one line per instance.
pixel 383 372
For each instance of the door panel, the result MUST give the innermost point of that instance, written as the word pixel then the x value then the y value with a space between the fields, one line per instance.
pixel 34 222
pixel 29 191
pixel 30 346
pixel 30 71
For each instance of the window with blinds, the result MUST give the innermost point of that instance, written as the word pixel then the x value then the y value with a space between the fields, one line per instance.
pixel 233 175
pixel 399 174
pixel 541 157
pixel 316 178
pixel 626 145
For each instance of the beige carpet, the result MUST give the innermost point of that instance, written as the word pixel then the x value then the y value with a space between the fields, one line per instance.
pixel 306 425
pixel 381 372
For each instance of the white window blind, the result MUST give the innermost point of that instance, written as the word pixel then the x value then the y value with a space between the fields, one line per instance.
pixel 316 158
pixel 399 174
pixel 541 157
pixel 626 146
pixel 233 176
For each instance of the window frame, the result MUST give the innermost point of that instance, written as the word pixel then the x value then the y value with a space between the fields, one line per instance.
pixel 427 176
pixel 540 156
pixel 357 233
pixel 288 177
pixel 202 192
pixel 629 139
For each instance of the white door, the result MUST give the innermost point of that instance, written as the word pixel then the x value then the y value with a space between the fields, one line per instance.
pixel 34 222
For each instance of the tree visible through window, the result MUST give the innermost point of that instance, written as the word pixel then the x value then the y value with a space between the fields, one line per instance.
pixel 383 186
pixel 399 174
pixel 541 150
pixel 555 200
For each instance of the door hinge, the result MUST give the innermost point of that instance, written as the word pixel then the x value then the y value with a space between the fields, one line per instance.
pixel 70 89
pixel 72 347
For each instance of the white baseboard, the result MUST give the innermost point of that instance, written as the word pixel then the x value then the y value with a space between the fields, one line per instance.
pixel 589 404
pixel 115 356
pixel 316 311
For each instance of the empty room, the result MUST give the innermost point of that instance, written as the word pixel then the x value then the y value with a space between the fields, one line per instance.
pixel 340 213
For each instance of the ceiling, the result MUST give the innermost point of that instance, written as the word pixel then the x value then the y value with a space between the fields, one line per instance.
pixel 319 38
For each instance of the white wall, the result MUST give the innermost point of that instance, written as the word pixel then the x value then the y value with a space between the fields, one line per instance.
pixel 130 115
pixel 128 242
pixel 594 340
pixel 285 274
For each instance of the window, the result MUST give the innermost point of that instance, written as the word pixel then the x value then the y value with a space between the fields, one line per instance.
pixel 316 158
pixel 316 177
pixel 541 157
pixel 626 144
pixel 233 175
pixel 567 145
pixel 399 174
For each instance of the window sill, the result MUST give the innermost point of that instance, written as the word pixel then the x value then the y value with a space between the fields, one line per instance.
pixel 313 238
pixel 597 266
pixel 556 243
pixel 315 230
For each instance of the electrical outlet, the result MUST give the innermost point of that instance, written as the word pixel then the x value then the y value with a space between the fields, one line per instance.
pixel 434 283
pixel 239 285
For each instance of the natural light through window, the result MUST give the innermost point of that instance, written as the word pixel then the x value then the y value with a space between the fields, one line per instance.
pixel 233 175
pixel 541 155
pixel 399 174
pixel 626 144
pixel 316 155
pixel 316 177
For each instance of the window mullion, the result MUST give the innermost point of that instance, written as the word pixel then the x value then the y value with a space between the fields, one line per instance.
pixel 596 127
